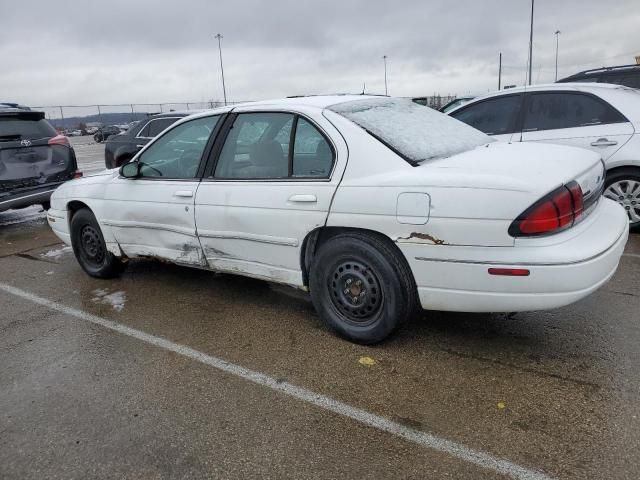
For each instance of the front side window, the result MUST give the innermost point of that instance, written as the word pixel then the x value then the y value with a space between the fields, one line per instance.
pixel 550 111
pixel 177 154
pixel 260 146
pixel 496 116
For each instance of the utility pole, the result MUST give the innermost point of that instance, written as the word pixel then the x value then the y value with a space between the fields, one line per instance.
pixel 500 71
pixel 557 33
pixel 224 90
pixel 384 58
pixel 531 43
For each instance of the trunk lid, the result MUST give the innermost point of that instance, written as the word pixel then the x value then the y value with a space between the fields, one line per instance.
pixel 537 169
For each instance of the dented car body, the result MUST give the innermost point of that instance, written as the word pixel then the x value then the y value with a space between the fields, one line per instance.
pixel 378 201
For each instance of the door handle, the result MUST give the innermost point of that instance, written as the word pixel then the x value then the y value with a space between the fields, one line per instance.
pixel 303 198
pixel 183 193
pixel 604 142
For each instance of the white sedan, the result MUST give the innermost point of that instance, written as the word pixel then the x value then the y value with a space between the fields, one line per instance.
pixel 375 205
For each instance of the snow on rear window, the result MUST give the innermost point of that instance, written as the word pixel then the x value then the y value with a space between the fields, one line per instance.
pixel 416 132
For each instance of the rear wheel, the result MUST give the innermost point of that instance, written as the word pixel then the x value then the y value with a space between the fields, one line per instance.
pixel 90 249
pixel 361 287
pixel 623 186
pixel 97 137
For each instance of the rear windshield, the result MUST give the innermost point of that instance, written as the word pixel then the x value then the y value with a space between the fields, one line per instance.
pixel 414 132
pixel 12 128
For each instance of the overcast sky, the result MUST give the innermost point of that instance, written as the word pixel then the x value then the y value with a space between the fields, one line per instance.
pixel 124 51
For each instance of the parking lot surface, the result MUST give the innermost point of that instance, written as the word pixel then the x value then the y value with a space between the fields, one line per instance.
pixel 171 372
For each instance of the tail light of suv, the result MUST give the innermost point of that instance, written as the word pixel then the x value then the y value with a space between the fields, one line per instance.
pixel 553 213
pixel 59 140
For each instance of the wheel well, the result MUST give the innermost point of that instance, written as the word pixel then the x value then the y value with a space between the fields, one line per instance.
pixel 73 207
pixel 615 170
pixel 125 157
pixel 316 238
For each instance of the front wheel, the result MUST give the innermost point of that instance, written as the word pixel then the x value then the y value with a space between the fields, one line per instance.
pixel 362 287
pixel 623 186
pixel 90 249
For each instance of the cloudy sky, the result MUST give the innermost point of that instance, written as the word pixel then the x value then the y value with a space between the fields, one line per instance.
pixel 135 51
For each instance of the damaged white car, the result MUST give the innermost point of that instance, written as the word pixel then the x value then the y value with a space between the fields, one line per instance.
pixel 377 206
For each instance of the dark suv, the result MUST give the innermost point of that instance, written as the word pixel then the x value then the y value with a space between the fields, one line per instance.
pixel 121 148
pixel 34 159
pixel 627 75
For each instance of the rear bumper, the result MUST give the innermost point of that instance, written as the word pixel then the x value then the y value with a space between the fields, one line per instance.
pixel 563 268
pixel 24 199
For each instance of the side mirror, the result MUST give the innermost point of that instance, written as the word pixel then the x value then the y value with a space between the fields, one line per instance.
pixel 130 170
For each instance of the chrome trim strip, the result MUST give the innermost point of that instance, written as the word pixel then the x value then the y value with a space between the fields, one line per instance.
pixel 27 196
pixel 523 264
pixel 151 226
pixel 289 242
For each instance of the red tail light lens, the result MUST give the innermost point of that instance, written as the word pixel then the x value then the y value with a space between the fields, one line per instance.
pixel 59 140
pixel 554 212
pixel 77 174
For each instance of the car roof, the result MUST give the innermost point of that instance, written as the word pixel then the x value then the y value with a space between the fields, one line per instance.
pixel 319 101
pixel 575 86
pixel 600 70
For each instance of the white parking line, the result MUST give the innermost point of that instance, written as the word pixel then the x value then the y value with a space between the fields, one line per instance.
pixel 421 438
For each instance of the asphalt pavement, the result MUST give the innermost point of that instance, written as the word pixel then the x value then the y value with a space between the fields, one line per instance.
pixel 170 372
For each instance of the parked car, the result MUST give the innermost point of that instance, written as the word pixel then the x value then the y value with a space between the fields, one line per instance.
pixel 600 117
pixel 456 102
pixel 627 75
pixel 34 159
pixel 105 132
pixel 121 148
pixel 375 205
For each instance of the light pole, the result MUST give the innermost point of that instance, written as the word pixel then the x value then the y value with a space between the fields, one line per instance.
pixel 384 58
pixel 224 90
pixel 531 43
pixel 557 33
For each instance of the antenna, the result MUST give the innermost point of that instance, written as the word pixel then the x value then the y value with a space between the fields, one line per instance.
pixel 364 86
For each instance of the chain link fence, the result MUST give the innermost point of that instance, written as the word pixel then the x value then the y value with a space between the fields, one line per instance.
pixel 81 116
pixel 65 117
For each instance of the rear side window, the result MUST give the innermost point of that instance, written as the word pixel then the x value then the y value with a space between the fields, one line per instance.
pixel 549 111
pixel 496 116
pixel 157 126
pixel 630 80
pixel 12 128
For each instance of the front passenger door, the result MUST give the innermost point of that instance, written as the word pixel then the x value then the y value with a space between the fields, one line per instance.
pixel 153 214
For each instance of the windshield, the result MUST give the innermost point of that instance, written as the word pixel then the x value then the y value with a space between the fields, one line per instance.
pixel 414 132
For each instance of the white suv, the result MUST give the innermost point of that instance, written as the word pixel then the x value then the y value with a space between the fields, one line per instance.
pixel 600 117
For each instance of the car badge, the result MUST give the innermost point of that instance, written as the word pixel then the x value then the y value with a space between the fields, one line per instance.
pixel 25 143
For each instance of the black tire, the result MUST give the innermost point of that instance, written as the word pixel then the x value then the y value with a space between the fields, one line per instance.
pixel 625 195
pixel 45 205
pixel 122 160
pixel 89 247
pixel 97 138
pixel 352 263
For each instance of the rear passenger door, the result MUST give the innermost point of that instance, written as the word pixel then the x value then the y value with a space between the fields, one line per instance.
pixel 497 116
pixel 271 183
pixel 575 118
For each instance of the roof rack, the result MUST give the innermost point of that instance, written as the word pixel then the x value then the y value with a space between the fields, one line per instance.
pixel 607 69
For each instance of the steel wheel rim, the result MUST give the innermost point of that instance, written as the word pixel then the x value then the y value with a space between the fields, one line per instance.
pixel 355 291
pixel 627 194
pixel 91 246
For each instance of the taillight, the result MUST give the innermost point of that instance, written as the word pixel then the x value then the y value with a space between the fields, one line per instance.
pixel 554 212
pixel 59 140
pixel 77 174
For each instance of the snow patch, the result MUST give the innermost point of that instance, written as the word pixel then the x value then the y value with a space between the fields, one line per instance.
pixel 57 253
pixel 416 132
pixel 115 299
